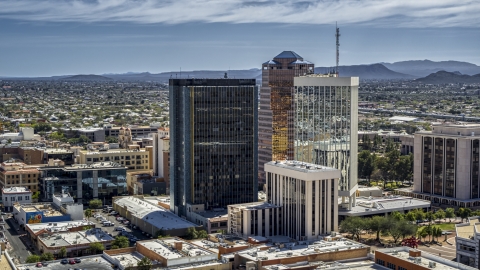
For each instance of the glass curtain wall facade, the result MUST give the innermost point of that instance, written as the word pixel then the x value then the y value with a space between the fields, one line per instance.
pixel 213 140
pixel 325 123
pixel 275 117
pixel 83 184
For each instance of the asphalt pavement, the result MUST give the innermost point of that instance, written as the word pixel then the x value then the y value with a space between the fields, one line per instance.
pixel 18 249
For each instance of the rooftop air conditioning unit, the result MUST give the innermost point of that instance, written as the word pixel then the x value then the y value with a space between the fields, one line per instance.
pixel 432 264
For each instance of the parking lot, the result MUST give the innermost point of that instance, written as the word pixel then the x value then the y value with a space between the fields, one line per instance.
pixel 112 229
pixel 87 263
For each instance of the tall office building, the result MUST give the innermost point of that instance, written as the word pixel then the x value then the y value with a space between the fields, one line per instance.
pixel 326 126
pixel 446 167
pixel 275 117
pixel 213 143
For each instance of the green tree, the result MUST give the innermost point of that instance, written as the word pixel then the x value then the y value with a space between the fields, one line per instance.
pixel 353 226
pixel 36 195
pixel 366 142
pixel 366 164
pixel 88 213
pixel 404 168
pixel 436 232
pixel 111 139
pixel 33 259
pixel 440 214
pixel 62 253
pixel 84 139
pixel 95 203
pixel 377 141
pixel 390 145
pixel 397 216
pixel 41 127
pixel 377 224
pixel 421 233
pixel 202 234
pixel 57 136
pixel 121 242
pixel 429 231
pixel 430 216
pixel 47 256
pixel 464 213
pixel 144 264
pixel 96 247
pixel 450 213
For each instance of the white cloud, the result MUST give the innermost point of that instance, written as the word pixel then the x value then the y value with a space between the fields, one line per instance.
pixel 389 13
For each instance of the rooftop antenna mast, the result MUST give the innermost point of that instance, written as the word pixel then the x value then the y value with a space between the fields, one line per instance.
pixel 337 36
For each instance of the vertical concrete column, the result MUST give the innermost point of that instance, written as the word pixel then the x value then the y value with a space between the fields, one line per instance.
pixel 308 209
pixel 95 184
pixel 259 221
pixel 267 222
pixel 79 187
pixel 328 206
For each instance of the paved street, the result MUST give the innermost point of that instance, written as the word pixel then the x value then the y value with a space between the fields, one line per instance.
pixel 445 250
pixel 18 249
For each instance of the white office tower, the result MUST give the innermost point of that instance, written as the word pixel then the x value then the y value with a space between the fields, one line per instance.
pixel 326 125
pixel 308 196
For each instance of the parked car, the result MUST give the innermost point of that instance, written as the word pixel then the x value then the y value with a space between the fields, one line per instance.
pixel 112 213
pixel 39 264
pixel 71 261
pixel 45 263
pixel 126 222
pixel 77 260
pixel 64 261
pixel 120 229
pixel 120 218
pixel 107 223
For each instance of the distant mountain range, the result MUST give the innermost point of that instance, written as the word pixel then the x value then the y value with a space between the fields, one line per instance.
pixel 405 70
pixel 444 77
pixel 90 77
pixel 367 72
pixel 421 68
pixel 165 76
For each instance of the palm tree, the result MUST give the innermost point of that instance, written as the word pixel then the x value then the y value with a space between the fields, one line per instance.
pixel 88 213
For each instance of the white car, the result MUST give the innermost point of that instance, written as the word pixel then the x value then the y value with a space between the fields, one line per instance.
pixel 120 218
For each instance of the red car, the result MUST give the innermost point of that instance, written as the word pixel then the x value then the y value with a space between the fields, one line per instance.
pixel 71 261
pixel 39 264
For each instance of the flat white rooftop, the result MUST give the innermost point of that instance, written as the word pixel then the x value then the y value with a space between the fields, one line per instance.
pixel 302 249
pixel 379 205
pixel 165 248
pixel 153 214
pixel 424 260
pixel 128 259
pixel 58 226
pixel 15 190
pixel 76 238
pixel 302 170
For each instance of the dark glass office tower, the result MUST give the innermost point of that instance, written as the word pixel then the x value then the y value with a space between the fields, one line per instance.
pixel 275 117
pixel 213 143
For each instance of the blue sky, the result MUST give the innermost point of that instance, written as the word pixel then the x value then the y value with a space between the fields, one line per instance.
pixel 57 37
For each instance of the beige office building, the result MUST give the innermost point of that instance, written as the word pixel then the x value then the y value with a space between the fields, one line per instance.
pixel 133 159
pixel 447 164
pixel 308 195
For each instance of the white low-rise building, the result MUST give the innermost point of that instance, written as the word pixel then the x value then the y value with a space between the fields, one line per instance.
pixel 308 195
pixel 15 194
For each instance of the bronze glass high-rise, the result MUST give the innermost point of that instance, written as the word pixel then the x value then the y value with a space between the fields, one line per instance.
pixel 275 116
pixel 213 143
